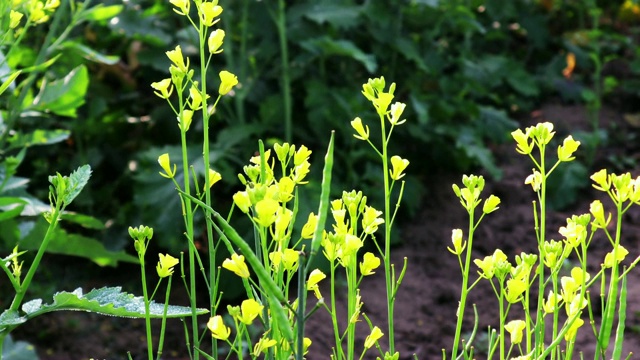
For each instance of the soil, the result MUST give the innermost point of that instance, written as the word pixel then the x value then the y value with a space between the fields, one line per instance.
pixel 428 297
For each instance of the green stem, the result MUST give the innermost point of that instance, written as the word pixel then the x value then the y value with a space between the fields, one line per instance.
pixel 147 314
pixel 465 283
pixel 286 81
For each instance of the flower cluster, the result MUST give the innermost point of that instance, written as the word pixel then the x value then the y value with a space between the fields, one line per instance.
pixel 36 11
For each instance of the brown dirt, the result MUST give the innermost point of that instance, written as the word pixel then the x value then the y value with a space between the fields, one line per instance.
pixel 428 297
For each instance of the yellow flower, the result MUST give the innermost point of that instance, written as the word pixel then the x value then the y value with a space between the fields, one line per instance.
pixel 209 11
pixel 491 204
pixel 456 240
pixel 37 13
pixel 573 330
pixel 163 88
pixel 398 165
pixel 227 82
pixel 242 201
pixel 266 212
pixel 177 59
pixel 306 343
pixel 262 345
pixel 601 180
pixel 165 164
pixel 237 265
pixel 568 147
pixel 515 288
pixel 550 305
pixel 300 172
pixel 369 263
pixel 14 19
pixel 396 112
pixel 363 131
pixel 214 177
pixel 373 338
pixel 524 146
pixel 621 253
pixel 249 310
pixel 314 278
pixel 310 226
pixel 215 41
pixel 301 155
pixel 51 5
pixel 371 219
pixel 515 329
pixel 166 264
pixel 182 5
pixel 542 133
pixel 218 329
pixel 535 180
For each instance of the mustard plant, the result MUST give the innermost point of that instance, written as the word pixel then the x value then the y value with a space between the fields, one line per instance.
pixel 554 312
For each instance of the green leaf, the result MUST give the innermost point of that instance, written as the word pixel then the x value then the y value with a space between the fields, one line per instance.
pixel 64 243
pixel 77 180
pixel 38 137
pixel 9 81
pixel 17 350
pixel 11 207
pixel 101 12
pixel 326 46
pixel 11 318
pixel 77 49
pixel 86 221
pixel 106 301
pixel 340 16
pixel 63 96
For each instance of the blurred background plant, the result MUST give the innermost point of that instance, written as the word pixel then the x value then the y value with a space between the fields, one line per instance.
pixel 468 69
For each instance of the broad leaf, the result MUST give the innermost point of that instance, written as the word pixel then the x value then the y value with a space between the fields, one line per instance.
pixel 38 137
pixel 11 207
pixel 326 46
pixel 106 301
pixel 78 49
pixel 63 96
pixel 77 180
pixel 10 318
pixel 101 12
pixel 17 350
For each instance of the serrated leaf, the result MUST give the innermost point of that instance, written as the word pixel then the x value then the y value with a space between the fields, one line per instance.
pixel 32 306
pixel 77 180
pixel 11 318
pixel 113 302
pixel 63 96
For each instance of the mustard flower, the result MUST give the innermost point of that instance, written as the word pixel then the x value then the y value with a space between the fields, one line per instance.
pixel 209 11
pixel 177 59
pixel 215 41
pixel 283 219
pixel 285 188
pixel 37 13
pixel 568 147
pixel 262 345
pixel 398 165
pixel 301 155
pixel 227 82
pixel 218 329
pixel 574 233
pixel 382 102
pixel 515 288
pixel 300 172
pixel 524 146
pixel 491 204
pixel 242 201
pixel 266 212
pixel 570 335
pixel 163 88
pixel 182 6
pixel 543 133
pixel 369 263
pixel 456 240
pixel 361 130
pixel 310 226
pixel 184 119
pixel 165 265
pixel 373 338
pixel 312 283
pixel 371 219
pixel 601 180
pixel 535 180
pixel 165 164
pixel 51 5
pixel 515 329
pixel 284 151
pixel 249 310
pixel 196 97
pixel 621 253
pixel 396 113
pixel 237 265
pixel 290 259
pixel 306 344
pixel 214 177
pixel 550 305
pixel 14 19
